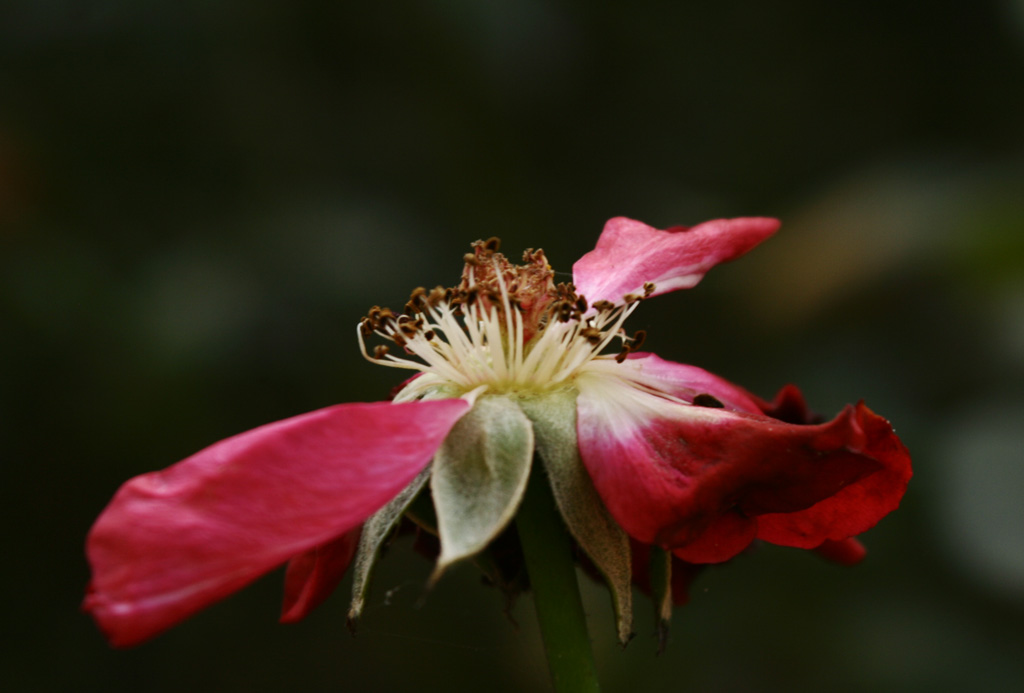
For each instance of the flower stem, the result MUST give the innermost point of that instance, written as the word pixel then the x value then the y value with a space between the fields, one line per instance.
pixel 547 550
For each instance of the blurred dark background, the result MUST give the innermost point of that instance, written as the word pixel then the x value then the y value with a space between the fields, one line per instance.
pixel 198 200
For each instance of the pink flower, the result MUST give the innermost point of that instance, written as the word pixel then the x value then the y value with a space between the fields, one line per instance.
pixel 507 365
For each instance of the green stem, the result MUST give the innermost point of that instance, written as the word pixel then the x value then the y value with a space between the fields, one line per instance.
pixel 547 550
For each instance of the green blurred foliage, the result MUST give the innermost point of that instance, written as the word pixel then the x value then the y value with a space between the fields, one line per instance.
pixel 199 200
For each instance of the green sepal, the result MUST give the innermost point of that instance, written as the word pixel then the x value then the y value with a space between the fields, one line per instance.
pixel 605 543
pixel 376 531
pixel 661 592
pixel 479 476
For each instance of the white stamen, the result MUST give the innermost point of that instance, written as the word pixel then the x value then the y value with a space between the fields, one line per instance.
pixel 483 346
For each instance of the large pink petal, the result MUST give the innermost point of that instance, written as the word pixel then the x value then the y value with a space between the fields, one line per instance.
pixel 174 541
pixel 312 576
pixel 630 253
pixel 680 476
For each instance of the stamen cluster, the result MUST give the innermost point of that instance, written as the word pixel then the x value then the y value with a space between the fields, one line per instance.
pixel 506 327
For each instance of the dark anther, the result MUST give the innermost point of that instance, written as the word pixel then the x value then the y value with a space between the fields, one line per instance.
pixel 648 289
pixel 581 304
pixel 428 335
pixel 638 340
pixel 379 351
pixel 492 244
pixel 706 400
pixel 591 334
pixel 603 305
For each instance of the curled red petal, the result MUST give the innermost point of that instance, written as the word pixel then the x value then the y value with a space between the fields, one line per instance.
pixel 312 576
pixel 174 541
pixel 858 506
pixel 679 475
pixel 630 253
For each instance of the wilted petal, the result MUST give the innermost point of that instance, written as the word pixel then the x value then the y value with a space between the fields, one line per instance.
pixel 672 473
pixel 630 253
pixel 858 506
pixel 312 576
pixel 174 541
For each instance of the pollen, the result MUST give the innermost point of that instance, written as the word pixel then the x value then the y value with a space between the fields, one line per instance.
pixel 505 327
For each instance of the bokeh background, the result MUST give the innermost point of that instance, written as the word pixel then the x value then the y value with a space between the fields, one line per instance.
pixel 198 200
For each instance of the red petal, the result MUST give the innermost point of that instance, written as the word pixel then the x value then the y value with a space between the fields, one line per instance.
pixel 670 473
pixel 845 552
pixel 630 253
pixel 175 541
pixel 859 506
pixel 311 577
pixel 723 538
pixel 789 406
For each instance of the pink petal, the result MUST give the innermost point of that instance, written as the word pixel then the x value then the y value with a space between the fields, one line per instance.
pixel 175 541
pixel 630 253
pixel 684 476
pixel 687 382
pixel 312 576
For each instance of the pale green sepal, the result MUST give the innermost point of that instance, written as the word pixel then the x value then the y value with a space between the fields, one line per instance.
pixel 376 530
pixel 661 592
pixel 591 525
pixel 479 477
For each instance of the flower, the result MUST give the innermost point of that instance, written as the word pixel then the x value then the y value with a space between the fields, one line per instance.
pixel 507 364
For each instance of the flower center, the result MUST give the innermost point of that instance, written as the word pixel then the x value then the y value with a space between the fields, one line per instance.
pixel 506 327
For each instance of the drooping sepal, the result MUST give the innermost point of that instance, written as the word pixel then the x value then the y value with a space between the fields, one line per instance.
pixel 661 593
pixel 375 533
pixel 589 522
pixel 479 476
